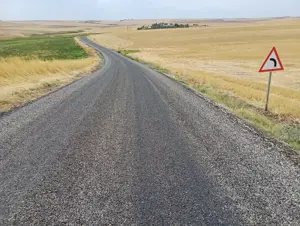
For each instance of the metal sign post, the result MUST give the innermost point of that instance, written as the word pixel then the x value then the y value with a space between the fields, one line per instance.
pixel 268 93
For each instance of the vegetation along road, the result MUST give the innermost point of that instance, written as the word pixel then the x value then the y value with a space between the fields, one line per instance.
pixel 127 145
pixel 33 66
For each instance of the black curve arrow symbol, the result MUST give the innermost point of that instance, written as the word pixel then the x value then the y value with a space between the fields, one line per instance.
pixel 275 61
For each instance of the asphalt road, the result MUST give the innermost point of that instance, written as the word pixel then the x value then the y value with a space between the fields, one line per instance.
pixel 127 145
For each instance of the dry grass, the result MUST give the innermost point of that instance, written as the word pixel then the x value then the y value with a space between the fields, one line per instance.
pixel 22 80
pixel 11 29
pixel 225 56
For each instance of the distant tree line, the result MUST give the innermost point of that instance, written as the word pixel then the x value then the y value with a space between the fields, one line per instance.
pixel 163 26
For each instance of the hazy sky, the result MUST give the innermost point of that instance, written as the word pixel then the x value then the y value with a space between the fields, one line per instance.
pixel 137 9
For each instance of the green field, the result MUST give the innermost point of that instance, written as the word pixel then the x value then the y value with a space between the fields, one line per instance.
pixel 33 66
pixel 42 47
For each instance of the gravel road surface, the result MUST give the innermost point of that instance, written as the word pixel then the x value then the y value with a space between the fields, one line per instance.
pixel 129 146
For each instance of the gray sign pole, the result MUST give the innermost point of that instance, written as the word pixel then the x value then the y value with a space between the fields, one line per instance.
pixel 268 93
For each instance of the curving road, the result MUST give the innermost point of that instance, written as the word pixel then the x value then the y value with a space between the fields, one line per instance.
pixel 129 146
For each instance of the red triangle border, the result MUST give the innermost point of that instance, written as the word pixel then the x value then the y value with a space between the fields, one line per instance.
pixel 275 69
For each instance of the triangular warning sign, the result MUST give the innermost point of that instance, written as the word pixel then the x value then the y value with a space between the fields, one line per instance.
pixel 272 62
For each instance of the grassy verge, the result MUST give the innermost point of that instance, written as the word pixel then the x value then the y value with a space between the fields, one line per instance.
pixel 125 52
pixel 288 132
pixel 152 65
pixel 33 66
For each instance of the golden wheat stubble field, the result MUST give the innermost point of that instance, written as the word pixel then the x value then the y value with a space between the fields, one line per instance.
pixel 26 78
pixel 225 56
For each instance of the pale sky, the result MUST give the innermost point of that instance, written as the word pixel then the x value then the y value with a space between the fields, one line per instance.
pixel 144 9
